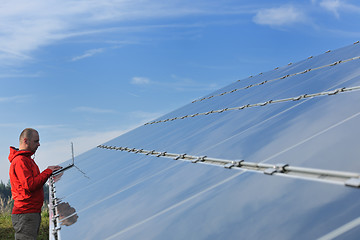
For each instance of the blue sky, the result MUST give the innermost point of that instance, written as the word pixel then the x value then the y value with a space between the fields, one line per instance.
pixel 88 71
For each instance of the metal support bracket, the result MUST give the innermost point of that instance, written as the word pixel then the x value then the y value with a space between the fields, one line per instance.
pixel 199 159
pixel 55 217
pixel 180 156
pixel 161 154
pixel 139 151
pixel 353 182
pixel 56 230
pixel 278 168
pixel 233 164
pixel 150 152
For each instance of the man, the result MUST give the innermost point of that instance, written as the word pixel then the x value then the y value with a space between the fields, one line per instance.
pixel 27 185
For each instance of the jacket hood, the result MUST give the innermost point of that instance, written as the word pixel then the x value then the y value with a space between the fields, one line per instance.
pixel 16 152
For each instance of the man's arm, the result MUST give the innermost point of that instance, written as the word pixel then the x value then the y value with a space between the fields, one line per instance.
pixel 26 177
pixel 54 168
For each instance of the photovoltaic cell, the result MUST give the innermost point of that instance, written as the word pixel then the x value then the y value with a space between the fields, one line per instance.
pixel 113 194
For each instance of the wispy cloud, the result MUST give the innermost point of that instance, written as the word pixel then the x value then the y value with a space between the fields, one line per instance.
pixel 25 26
pixel 7 125
pixel 54 126
pixel 332 6
pixel 336 6
pixel 88 53
pixel 175 83
pixel 340 32
pixel 93 110
pixel 16 99
pixel 180 83
pixel 280 16
pixel 140 81
pixel 10 55
pixel 19 75
pixel 145 116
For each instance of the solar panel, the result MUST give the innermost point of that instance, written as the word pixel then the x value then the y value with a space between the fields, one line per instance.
pixel 272 156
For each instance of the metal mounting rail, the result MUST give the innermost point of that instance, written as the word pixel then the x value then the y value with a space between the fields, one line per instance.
pixel 280 78
pixel 54 224
pixel 336 177
pixel 328 93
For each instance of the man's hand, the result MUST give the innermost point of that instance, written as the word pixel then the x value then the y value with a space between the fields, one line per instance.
pixel 54 168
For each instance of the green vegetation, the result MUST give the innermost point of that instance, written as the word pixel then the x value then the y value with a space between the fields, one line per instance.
pixel 7 231
pixel 6 204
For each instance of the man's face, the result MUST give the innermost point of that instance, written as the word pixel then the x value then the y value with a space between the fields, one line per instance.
pixel 34 142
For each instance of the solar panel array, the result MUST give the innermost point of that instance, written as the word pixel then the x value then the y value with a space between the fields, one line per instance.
pixel 273 156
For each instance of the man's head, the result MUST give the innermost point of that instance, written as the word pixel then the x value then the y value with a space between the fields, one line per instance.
pixel 29 140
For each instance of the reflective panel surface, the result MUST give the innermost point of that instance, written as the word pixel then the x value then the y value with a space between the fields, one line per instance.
pixel 112 194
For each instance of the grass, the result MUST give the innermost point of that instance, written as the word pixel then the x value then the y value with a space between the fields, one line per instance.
pixel 44 226
pixel 6 229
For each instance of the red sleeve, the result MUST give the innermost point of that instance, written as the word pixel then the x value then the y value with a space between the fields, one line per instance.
pixel 26 177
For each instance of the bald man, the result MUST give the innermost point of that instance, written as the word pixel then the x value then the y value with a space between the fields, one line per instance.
pixel 27 185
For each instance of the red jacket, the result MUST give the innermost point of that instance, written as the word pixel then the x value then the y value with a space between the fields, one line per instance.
pixel 26 182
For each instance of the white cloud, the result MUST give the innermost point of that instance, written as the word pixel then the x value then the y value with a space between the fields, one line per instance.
pixel 335 6
pixel 176 83
pixel 145 117
pixel 19 75
pixel 284 15
pixel 88 53
pixel 187 84
pixel 25 26
pixel 331 5
pixel 140 81
pixel 54 126
pixel 13 99
pixel 93 110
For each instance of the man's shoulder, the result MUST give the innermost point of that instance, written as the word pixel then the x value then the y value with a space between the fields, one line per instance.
pixel 20 159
